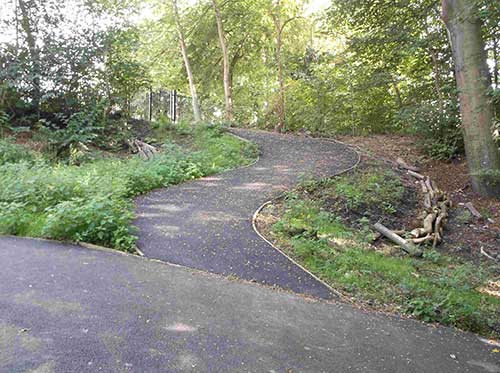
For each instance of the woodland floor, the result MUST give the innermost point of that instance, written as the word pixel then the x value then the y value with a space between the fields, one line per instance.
pixel 465 235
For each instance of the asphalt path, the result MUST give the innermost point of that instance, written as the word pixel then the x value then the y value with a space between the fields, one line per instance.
pixel 64 308
pixel 207 223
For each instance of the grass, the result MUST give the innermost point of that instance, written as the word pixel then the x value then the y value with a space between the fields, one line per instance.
pixel 435 288
pixel 94 202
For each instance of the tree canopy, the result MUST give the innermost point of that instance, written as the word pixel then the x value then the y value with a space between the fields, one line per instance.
pixel 355 66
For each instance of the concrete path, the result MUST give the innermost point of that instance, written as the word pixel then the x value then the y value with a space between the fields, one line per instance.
pixel 68 309
pixel 206 224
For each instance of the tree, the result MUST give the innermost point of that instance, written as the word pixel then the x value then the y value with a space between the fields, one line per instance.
pixel 473 81
pixel 124 74
pixel 279 25
pixel 27 25
pixel 187 64
pixel 228 86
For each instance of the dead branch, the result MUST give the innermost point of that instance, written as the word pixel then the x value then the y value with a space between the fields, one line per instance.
pixel 422 185
pixel 422 239
pixel 473 210
pixel 416 175
pixel 406 166
pixel 434 216
pixel 145 150
pixel 486 254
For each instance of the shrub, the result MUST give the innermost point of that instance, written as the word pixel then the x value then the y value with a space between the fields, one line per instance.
pixel 80 130
pixel 101 219
pixel 92 202
pixel 440 130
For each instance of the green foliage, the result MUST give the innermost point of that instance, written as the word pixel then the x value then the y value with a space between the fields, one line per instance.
pixel 64 62
pixel 102 219
pixel 12 153
pixel 4 123
pixel 435 288
pixel 441 136
pixel 125 74
pixel 92 202
pixel 490 176
pixel 369 188
pixel 80 130
pixel 307 220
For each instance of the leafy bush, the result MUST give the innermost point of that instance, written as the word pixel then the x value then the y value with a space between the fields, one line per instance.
pixel 441 135
pixel 4 123
pixel 92 202
pixel 81 129
pixel 101 219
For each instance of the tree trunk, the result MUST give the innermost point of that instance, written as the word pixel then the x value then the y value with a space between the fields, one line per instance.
pixel 34 56
pixel 473 82
pixel 437 80
pixel 399 100
pixel 228 94
pixel 495 61
pixel 276 14
pixel 187 64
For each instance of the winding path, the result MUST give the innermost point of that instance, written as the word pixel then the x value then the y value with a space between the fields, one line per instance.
pixel 65 308
pixel 206 224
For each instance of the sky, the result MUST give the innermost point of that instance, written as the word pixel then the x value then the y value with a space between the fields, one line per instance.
pixel 7 10
pixel 316 6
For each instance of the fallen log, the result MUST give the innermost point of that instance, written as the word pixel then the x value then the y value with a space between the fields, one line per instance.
pixel 398 240
pixel 406 166
pixel 145 150
pixel 473 210
pixel 416 175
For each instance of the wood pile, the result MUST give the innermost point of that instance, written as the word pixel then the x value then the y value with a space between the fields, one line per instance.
pixel 434 216
pixel 145 150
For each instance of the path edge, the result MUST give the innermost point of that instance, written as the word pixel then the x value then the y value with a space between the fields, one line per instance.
pixel 281 251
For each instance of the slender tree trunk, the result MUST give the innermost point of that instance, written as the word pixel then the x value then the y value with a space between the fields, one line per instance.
pixel 437 80
pixel 187 64
pixel 399 100
pixel 34 55
pixel 495 61
pixel 228 86
pixel 276 14
pixel 473 81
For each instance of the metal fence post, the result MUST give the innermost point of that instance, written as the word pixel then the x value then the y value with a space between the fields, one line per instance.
pixel 150 104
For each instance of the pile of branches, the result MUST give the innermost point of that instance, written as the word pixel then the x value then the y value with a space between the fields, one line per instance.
pixel 145 150
pixel 436 205
pixel 435 214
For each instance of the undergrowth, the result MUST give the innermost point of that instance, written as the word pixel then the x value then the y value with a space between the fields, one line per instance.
pixel 435 288
pixel 12 153
pixel 94 202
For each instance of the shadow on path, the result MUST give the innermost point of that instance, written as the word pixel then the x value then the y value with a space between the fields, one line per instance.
pixel 206 224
